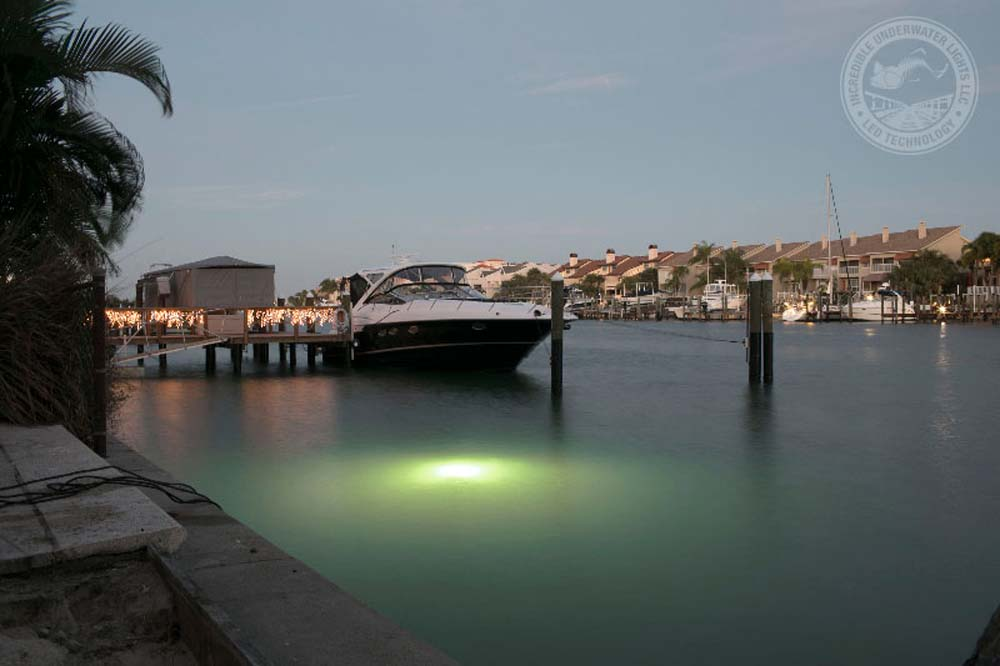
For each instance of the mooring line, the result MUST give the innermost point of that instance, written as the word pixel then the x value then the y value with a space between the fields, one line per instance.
pixel 674 333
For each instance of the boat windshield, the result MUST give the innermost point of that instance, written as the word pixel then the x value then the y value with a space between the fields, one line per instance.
pixel 424 283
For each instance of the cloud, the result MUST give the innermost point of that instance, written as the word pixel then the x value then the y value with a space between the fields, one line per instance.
pixel 225 198
pixel 581 84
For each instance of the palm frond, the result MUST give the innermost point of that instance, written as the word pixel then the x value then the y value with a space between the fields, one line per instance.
pixel 115 49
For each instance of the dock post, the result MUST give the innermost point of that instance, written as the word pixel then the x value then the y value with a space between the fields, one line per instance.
pixel 345 303
pixel 556 361
pixel 281 329
pixel 210 359
pixel 99 413
pixel 311 355
pixel 162 357
pixel 754 327
pixel 291 354
pixel 138 304
pixel 767 319
pixel 236 354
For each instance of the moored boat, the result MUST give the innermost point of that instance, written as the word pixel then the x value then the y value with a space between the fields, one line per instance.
pixel 427 315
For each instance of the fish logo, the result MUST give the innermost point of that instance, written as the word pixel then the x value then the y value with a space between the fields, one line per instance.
pixel 894 77
pixel 909 85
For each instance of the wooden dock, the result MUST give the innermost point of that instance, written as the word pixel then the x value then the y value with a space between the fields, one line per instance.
pixel 158 332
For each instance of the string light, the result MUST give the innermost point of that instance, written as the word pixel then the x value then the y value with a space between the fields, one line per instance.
pixel 263 317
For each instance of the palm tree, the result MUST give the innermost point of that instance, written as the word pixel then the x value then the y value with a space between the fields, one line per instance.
pixel 927 273
pixel 678 279
pixel 702 254
pixel 983 253
pixel 68 178
pixel 732 266
pixel 783 269
pixel 802 272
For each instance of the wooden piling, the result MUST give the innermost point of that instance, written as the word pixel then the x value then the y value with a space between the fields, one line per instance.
pixel 210 359
pixel 291 354
pixel 236 354
pixel 556 361
pixel 754 327
pixel 99 408
pixel 138 303
pixel 767 322
pixel 311 355
pixel 345 304
pixel 162 357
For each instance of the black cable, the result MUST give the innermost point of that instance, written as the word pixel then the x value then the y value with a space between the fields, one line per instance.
pixel 80 481
pixel 676 334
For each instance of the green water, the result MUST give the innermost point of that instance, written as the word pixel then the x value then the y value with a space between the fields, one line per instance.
pixel 664 513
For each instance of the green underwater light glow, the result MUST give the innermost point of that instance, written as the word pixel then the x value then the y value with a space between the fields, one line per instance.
pixel 454 470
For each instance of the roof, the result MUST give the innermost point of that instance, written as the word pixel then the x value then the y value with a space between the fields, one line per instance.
pixel 627 264
pixel 222 261
pixel 749 250
pixel 771 253
pixel 899 241
pixel 587 267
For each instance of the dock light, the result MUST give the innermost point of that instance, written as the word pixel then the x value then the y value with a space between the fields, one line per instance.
pixel 458 471
pixel 942 309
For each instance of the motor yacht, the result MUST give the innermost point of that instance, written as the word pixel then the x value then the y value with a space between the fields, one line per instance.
pixel 427 315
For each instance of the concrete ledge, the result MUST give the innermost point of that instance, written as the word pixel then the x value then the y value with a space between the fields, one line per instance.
pixel 102 521
pixel 249 602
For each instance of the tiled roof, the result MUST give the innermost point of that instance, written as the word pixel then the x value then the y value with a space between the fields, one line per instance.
pixel 627 264
pixel 771 253
pixel 587 266
pixel 900 241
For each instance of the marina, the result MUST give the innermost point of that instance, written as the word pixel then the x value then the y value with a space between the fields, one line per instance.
pixel 479 333
pixel 822 521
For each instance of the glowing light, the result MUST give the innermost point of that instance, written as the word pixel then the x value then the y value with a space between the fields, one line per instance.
pixel 942 309
pixel 458 471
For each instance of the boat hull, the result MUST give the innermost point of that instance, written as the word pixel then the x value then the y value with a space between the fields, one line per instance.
pixel 450 344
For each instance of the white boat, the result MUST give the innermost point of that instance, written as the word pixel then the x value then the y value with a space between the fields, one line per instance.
pixel 871 307
pixel 427 315
pixel 720 294
pixel 798 312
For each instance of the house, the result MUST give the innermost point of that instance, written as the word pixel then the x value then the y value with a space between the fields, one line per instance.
pixel 215 282
pixel 489 280
pixel 863 263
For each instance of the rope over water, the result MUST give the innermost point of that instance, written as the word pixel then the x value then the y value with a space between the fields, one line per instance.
pixel 660 331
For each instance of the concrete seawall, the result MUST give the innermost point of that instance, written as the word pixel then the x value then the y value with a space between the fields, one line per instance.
pixel 242 600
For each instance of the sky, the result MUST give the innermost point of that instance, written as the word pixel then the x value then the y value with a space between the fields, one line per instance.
pixel 323 136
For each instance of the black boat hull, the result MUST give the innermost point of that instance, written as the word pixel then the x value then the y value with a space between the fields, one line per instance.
pixel 462 344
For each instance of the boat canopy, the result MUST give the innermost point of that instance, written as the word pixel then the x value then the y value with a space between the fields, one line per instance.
pixel 416 282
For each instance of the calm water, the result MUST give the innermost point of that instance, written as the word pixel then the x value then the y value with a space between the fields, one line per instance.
pixel 666 513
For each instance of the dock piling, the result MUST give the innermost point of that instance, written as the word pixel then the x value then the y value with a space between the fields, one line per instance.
pixel 754 327
pixel 99 415
pixel 767 321
pixel 345 303
pixel 162 357
pixel 556 361
pixel 236 354
pixel 210 359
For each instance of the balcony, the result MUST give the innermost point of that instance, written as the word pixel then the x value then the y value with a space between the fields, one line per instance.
pixel 852 271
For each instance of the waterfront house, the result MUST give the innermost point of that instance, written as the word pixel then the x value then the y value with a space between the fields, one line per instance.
pixel 863 263
pixel 215 282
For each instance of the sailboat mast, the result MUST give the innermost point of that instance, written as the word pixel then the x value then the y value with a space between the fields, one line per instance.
pixel 829 240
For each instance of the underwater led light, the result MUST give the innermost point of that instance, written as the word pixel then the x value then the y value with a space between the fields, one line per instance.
pixel 458 470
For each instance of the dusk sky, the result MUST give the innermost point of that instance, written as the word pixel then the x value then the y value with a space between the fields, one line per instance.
pixel 317 135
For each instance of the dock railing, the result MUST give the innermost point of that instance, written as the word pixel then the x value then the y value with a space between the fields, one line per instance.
pixel 256 325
